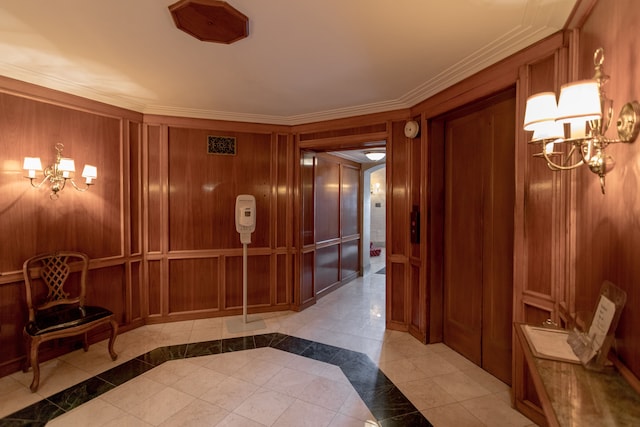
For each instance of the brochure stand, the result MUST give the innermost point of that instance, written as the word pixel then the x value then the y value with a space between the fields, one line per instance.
pixel 589 346
pixel 592 345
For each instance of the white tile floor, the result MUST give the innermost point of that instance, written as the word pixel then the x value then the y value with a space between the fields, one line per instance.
pixel 270 387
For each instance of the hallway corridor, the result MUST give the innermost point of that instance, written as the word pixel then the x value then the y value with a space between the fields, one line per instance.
pixel 322 378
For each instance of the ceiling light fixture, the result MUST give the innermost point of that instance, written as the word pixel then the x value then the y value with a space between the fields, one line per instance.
pixel 375 155
pixel 587 112
pixel 58 173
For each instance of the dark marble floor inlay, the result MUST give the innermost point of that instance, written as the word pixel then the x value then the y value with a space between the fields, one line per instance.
pixel 385 401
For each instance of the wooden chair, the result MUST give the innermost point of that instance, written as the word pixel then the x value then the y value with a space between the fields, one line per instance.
pixel 61 312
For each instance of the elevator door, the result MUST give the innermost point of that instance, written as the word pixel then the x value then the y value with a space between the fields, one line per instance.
pixel 478 233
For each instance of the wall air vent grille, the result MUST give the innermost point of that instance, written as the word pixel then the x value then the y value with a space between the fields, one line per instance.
pixel 225 145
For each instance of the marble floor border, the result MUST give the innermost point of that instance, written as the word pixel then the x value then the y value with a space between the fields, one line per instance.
pixel 385 401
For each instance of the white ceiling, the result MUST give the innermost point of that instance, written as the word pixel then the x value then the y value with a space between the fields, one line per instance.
pixel 303 61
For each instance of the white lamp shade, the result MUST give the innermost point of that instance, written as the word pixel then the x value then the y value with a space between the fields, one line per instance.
pixel 67 165
pixel 89 171
pixel 548 148
pixel 541 108
pixel 548 130
pixel 375 155
pixel 579 101
pixel 32 163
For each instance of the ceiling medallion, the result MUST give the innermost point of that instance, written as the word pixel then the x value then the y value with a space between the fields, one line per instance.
pixel 210 20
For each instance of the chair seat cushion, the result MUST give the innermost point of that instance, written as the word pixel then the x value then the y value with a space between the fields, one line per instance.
pixel 63 317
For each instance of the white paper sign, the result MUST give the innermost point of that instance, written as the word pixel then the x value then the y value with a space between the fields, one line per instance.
pixel 602 319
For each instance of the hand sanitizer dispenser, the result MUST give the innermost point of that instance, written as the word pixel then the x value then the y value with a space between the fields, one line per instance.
pixel 245 225
pixel 245 217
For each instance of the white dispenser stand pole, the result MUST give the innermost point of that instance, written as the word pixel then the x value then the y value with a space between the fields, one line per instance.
pixel 245 225
pixel 244 282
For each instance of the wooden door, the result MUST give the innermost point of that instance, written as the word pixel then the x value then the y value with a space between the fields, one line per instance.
pixel 465 145
pixel 478 233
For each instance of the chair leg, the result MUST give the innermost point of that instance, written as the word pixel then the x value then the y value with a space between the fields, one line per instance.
pixel 33 356
pixel 112 339
pixel 85 342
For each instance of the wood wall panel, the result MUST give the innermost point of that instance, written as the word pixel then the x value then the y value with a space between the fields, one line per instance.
pixel 154 293
pixel 396 295
pixel 349 260
pixel 327 195
pixel 193 284
pixel 416 188
pixel 607 226
pixel 136 291
pixel 13 315
pixel 258 285
pixel 107 287
pixel 539 223
pixel 284 276
pixel 208 184
pixel 535 315
pixel 135 187
pixel 32 128
pixel 397 223
pixel 154 190
pixel 327 272
pixel 398 218
pixel 307 270
pixel 283 191
pixel 542 224
pixel 416 317
pixel 350 201
pixel 539 216
pixel 307 168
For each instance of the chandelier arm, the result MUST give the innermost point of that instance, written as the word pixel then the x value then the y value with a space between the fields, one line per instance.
pixel 63 181
pixel 38 185
pixel 556 167
pixel 77 187
pixel 573 150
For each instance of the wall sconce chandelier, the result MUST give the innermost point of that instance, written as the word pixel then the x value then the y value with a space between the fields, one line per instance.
pixel 58 173
pixel 375 155
pixel 584 107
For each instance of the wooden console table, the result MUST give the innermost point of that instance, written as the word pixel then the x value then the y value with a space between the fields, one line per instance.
pixel 571 395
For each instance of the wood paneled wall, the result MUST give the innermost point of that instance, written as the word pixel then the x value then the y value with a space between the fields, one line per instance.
pixel 398 303
pixel 542 228
pixel 585 237
pixel 194 254
pixel 159 223
pixel 98 222
pixel 608 226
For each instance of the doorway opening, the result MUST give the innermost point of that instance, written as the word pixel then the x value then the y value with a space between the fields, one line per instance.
pixel 337 219
pixel 374 195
